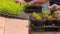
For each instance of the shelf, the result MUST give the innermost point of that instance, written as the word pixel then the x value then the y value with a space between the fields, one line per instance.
pixel 51 26
pixel 46 26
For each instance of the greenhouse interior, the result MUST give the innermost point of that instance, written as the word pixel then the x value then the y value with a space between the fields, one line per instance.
pixel 29 17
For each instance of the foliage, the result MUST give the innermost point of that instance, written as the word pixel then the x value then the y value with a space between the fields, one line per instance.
pixel 57 14
pixel 46 12
pixel 49 17
pixel 36 15
pixel 10 7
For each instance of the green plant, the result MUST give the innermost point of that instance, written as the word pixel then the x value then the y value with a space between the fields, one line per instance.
pixel 37 16
pixel 46 12
pixel 57 14
pixel 10 7
pixel 50 17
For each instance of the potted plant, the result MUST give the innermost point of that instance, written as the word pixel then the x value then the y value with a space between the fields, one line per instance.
pixel 38 18
pixel 56 13
pixel 54 18
pixel 57 16
pixel 37 21
pixel 48 16
pixel 10 8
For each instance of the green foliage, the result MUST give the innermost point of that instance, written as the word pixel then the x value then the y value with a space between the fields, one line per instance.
pixel 55 14
pixel 36 15
pixel 10 7
pixel 46 12
pixel 49 17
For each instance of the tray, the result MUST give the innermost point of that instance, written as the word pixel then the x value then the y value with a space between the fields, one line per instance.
pixel 22 15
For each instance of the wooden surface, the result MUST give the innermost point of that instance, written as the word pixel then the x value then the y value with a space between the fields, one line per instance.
pixel 13 26
pixel 2 22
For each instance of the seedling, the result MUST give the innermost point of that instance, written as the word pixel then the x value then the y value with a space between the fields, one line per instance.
pixel 56 9
pixel 10 7
pixel 37 16
pixel 57 14
pixel 46 12
pixel 49 17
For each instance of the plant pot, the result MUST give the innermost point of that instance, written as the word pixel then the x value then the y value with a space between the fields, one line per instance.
pixel 51 29
pixel 36 22
pixel 49 22
pixel 37 25
pixel 57 23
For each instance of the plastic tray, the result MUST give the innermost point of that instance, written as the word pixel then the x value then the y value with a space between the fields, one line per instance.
pixel 22 15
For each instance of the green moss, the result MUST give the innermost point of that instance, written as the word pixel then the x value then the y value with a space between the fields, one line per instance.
pixel 10 7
